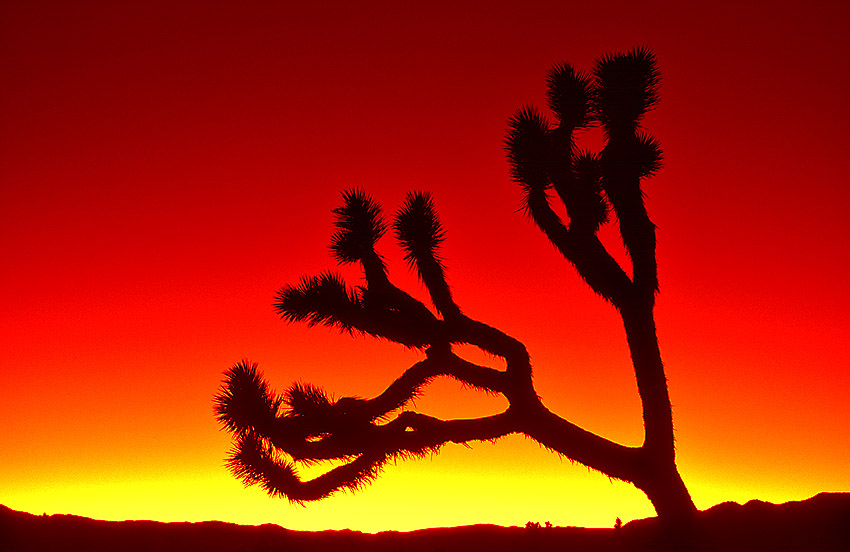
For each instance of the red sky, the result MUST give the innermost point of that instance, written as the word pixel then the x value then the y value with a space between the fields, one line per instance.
pixel 165 169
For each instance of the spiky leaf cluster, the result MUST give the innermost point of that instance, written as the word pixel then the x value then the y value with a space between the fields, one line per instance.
pixel 586 203
pixel 528 147
pixel 539 162
pixel 623 87
pixel 626 88
pixel 254 462
pixel 648 154
pixel 245 403
pixel 322 299
pixel 305 400
pixel 420 235
pixel 360 224
pixel 569 95
pixel 418 229
pixel 627 159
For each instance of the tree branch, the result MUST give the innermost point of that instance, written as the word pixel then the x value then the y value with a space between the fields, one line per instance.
pixel 409 434
pixel 576 443
pixel 439 362
pixel 347 424
pixel 584 250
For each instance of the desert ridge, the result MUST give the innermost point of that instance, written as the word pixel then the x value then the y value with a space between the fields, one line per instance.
pixel 821 523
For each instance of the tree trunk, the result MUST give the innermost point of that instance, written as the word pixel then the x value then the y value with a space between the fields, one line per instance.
pixel 660 479
pixel 667 492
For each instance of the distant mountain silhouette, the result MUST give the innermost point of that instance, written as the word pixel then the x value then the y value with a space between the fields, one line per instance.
pixel 821 523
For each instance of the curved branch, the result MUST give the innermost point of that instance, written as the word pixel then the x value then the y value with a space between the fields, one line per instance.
pixel 463 329
pixel 584 250
pixel 438 363
pixel 255 463
pixel 422 432
pixel 552 431
pixel 347 426
pixel 409 434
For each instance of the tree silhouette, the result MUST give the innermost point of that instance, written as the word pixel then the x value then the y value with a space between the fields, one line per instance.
pixel 273 432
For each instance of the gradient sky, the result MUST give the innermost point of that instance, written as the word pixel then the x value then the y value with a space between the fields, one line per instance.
pixel 166 168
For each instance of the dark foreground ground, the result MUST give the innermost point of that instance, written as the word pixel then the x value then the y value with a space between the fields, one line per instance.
pixel 821 523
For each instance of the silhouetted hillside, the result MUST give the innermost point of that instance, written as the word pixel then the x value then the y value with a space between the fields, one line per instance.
pixel 821 523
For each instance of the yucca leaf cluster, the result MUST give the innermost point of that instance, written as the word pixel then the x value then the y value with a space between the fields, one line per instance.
pixel 270 431
pixel 545 158
pixel 377 308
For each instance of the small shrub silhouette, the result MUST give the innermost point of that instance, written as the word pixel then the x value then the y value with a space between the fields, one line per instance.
pixel 274 432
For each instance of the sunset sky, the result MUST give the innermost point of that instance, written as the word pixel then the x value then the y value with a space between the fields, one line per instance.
pixel 165 167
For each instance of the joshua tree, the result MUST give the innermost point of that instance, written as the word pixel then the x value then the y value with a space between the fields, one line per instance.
pixel 274 432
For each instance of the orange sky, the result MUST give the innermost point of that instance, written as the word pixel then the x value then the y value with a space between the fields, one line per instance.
pixel 165 169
